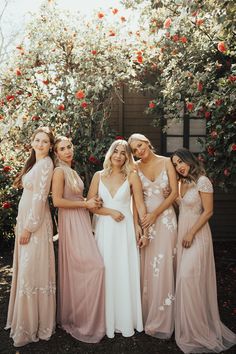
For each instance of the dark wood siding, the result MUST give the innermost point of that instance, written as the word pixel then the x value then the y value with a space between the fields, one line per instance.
pixel 128 117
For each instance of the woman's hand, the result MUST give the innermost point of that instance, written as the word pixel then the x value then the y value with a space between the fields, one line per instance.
pixel 138 232
pixel 94 203
pixel 25 237
pixel 187 241
pixel 143 241
pixel 117 215
pixel 148 220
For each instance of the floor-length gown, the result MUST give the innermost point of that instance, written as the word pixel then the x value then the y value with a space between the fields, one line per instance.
pixel 81 309
pixel 198 328
pixel 32 305
pixel 158 262
pixel 117 245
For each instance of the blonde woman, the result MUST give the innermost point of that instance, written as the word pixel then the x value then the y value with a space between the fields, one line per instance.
pixel 158 258
pixel 81 270
pixel 115 236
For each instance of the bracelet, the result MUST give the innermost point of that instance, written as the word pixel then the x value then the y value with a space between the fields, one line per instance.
pixel 144 237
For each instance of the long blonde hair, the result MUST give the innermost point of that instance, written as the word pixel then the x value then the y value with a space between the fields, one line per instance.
pixel 71 176
pixel 129 162
pixel 140 137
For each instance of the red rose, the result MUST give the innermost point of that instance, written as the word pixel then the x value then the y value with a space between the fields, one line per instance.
pixel 183 39
pixel 199 86
pixel 199 22
pixel 84 104
pixel 211 151
pixel 61 107
pixel 18 72
pixel 218 102
pixel 35 118
pixel 100 15
pixel 94 52
pixel 189 106
pixel 114 11
pixel 232 78
pixel 10 98
pixel 221 47
pixel 214 134
pixel 140 59
pixel 6 205
pixel 167 23
pixel 119 137
pixel 175 38
pixel 7 168
pixel 93 160
pixel 226 172
pixel 45 82
pixel 207 115
pixel 151 104
pixel 80 94
pixel 233 147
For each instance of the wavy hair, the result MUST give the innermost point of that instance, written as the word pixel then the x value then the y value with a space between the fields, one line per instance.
pixel 127 166
pixel 140 137
pixel 32 158
pixel 196 168
pixel 71 176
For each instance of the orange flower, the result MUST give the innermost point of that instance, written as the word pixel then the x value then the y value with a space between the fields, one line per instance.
pixel 140 59
pixel 189 106
pixel 101 15
pixel 61 107
pixel 183 39
pixel 114 11
pixel 80 94
pixel 18 72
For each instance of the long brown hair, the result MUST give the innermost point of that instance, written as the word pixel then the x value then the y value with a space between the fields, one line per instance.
pixel 196 169
pixel 32 158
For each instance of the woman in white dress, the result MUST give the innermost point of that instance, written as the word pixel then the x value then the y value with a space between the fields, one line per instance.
pixel 115 236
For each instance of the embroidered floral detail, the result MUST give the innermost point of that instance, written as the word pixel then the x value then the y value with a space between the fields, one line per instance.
pixel 33 290
pixel 168 301
pixel 169 220
pixel 151 232
pixel 155 265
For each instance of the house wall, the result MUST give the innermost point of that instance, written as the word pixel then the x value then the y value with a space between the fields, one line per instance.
pixel 128 117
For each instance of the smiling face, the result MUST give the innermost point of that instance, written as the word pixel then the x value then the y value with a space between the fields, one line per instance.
pixel 140 149
pixel 41 144
pixel 118 156
pixel 182 168
pixel 64 150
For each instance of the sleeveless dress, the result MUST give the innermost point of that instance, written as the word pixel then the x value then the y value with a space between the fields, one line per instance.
pixel 158 262
pixel 81 310
pixel 198 328
pixel 32 305
pixel 117 244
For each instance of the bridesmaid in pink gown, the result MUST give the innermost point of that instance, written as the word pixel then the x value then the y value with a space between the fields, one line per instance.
pixel 198 328
pixel 158 257
pixel 81 271
pixel 32 305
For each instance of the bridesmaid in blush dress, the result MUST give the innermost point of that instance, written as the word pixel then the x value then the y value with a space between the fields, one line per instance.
pixel 81 270
pixel 158 258
pixel 198 328
pixel 32 305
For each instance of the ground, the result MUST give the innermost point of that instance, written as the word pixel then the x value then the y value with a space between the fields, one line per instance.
pixel 62 343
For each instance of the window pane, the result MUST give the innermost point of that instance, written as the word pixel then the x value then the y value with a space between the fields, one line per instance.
pixel 174 127
pixel 197 126
pixel 194 145
pixel 173 143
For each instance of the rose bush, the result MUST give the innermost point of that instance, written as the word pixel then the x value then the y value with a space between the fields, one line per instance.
pixel 189 67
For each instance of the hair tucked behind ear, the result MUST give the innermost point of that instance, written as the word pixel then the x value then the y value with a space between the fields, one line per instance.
pixel 32 158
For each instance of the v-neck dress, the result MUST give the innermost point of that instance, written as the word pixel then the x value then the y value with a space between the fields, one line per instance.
pixel 158 262
pixel 198 328
pixel 117 244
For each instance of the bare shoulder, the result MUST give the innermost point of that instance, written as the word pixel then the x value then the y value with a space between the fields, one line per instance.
pixel 58 173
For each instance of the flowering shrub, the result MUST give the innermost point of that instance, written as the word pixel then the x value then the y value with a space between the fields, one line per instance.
pixel 189 67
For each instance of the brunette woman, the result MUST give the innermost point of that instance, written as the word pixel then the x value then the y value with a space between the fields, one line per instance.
pixel 31 312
